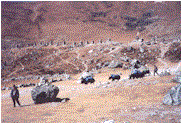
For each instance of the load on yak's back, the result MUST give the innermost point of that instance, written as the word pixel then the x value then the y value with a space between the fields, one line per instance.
pixel 138 70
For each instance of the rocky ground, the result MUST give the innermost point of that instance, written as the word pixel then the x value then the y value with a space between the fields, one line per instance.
pixel 132 101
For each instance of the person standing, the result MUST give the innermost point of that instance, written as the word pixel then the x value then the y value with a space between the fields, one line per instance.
pixel 15 95
pixel 155 70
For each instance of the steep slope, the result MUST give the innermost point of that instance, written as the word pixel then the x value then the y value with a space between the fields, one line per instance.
pixel 27 28
pixel 77 20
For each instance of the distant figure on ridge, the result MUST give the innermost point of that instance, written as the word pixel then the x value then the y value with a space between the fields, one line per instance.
pixel 155 70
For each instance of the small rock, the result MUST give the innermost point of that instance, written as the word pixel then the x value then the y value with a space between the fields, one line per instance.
pixel 162 116
pixel 109 121
pixel 153 114
pixel 170 119
pixel 134 108
pixel 63 100
pixel 126 122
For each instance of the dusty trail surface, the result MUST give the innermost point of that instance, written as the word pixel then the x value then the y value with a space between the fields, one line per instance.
pixel 138 100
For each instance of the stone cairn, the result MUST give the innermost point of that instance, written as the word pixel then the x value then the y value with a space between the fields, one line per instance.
pixel 87 42
pixel 74 44
pixel 81 43
pixel 137 38
pixel 64 42
pixel 142 42
pixel 51 43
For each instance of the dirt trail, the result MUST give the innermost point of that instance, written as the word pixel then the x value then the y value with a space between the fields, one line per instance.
pixel 90 104
pixel 16 70
pixel 83 62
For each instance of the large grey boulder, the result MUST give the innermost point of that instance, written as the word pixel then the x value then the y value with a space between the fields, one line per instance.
pixel 44 93
pixel 115 64
pixel 173 97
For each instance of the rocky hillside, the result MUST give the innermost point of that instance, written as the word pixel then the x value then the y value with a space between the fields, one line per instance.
pixel 75 20
pixel 39 38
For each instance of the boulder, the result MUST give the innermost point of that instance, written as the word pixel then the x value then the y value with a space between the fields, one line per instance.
pixel 165 73
pixel 115 64
pixel 148 43
pixel 129 48
pixel 44 93
pixel 109 121
pixel 173 97
pixel 66 77
pixel 112 48
pixel 53 80
pixel 125 58
pixel 177 79
pixel 125 67
pixel 43 81
pixel 141 50
pixel 164 41
pixel 137 37
pixel 99 66
pixel 106 64
pixel 135 63
pixel 4 88
pixel 22 85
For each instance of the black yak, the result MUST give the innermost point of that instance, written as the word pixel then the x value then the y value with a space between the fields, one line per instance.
pixel 137 74
pixel 147 72
pixel 113 77
pixel 87 80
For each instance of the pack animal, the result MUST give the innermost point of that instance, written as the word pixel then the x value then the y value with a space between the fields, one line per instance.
pixel 147 72
pixel 113 77
pixel 87 80
pixel 137 75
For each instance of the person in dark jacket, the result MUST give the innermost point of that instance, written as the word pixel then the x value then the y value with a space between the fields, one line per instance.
pixel 15 95
pixel 155 70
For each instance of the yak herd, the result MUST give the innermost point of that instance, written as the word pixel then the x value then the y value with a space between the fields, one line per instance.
pixel 135 74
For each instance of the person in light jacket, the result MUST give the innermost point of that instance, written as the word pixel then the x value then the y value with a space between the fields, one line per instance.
pixel 15 95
